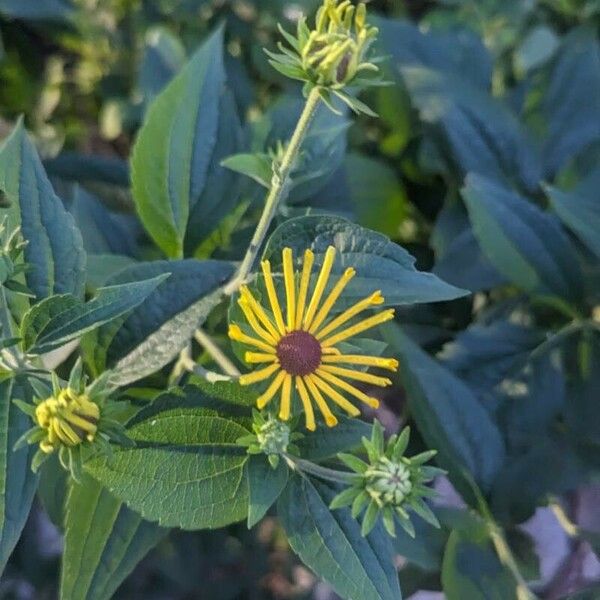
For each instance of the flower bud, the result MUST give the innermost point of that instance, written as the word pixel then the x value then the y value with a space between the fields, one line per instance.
pixel 68 419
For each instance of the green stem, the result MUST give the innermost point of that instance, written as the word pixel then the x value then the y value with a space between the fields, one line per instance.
pixel 7 329
pixel 507 559
pixel 310 468
pixel 216 353
pixel 279 189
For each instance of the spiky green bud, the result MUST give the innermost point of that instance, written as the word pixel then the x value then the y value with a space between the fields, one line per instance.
pixel 390 484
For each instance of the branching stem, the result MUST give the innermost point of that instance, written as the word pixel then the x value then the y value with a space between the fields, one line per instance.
pixel 279 189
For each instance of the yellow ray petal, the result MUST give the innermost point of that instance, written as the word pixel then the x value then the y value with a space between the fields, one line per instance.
pixel 251 318
pixel 265 398
pixel 373 300
pixel 259 311
pixel 309 259
pixel 275 308
pixel 319 287
pixel 336 397
pixel 290 288
pixel 236 333
pixel 332 298
pixel 330 419
pixel 358 359
pixel 361 326
pixel 307 404
pixel 259 375
pixel 357 375
pixel 347 387
pixel 286 398
pixel 258 357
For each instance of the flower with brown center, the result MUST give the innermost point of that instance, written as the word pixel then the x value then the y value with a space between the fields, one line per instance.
pixel 300 346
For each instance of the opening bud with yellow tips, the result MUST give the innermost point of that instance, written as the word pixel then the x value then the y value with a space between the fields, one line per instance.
pixel 75 421
pixel 334 55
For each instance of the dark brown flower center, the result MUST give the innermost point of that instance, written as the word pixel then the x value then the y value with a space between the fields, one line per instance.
pixel 299 353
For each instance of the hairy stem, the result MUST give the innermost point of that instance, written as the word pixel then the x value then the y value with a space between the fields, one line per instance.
pixel 278 190
pixel 310 468
pixel 216 353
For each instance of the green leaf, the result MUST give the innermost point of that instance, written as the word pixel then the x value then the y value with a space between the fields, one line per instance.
pixel 471 568
pixel 579 210
pixel 186 469
pixel 17 482
pixel 380 264
pixel 32 10
pixel 330 543
pixel 256 166
pixel 524 243
pixel 265 484
pixel 171 161
pixel 326 443
pixel 448 75
pixel 54 249
pixel 448 415
pixel 59 319
pixel 571 102
pixel 104 541
pixel 378 197
pixel 154 333
pixel 52 490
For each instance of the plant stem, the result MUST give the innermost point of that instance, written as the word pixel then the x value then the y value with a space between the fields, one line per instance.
pixel 306 466
pixel 187 362
pixel 279 189
pixel 507 559
pixel 8 330
pixel 216 353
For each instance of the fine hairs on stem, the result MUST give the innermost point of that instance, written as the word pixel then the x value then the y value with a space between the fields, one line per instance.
pixel 278 191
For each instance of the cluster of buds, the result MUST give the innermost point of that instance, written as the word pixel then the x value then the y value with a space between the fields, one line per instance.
pixel 12 266
pixel 335 51
pixel 390 484
pixel 72 420
pixel 270 436
pixel 335 54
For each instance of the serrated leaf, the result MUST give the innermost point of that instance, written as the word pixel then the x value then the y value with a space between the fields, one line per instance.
pixel 104 540
pixel 155 332
pixel 186 469
pixel 17 482
pixel 171 161
pixel 524 243
pixel 265 484
pixel 380 264
pixel 448 415
pixel 54 249
pixel 59 319
pixel 330 543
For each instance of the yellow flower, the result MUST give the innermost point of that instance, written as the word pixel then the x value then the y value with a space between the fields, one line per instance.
pixel 299 347
pixel 67 419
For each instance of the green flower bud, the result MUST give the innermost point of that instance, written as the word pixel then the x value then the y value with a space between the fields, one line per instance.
pixel 390 484
pixel 270 436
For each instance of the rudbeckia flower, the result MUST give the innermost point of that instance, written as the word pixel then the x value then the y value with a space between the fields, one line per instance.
pixel 299 346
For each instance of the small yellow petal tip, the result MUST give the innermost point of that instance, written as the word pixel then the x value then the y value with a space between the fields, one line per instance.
pixel 377 298
pixel 373 402
pixel 331 421
pixel 234 332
